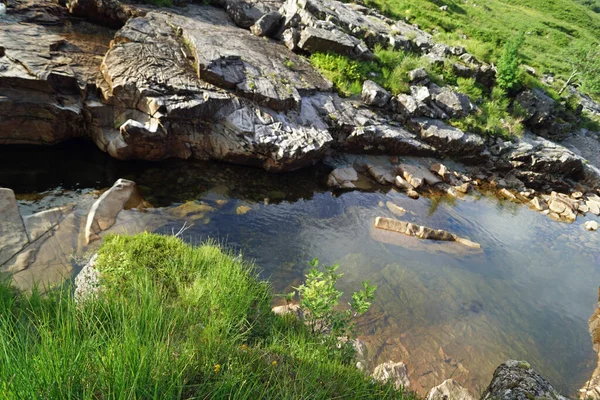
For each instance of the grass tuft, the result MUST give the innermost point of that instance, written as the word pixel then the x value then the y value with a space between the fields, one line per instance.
pixel 172 321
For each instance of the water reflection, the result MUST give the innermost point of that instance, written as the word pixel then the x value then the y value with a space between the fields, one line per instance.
pixel 443 309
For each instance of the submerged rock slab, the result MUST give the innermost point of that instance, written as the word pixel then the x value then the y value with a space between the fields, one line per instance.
pixel 449 390
pixel 422 232
pixel 393 372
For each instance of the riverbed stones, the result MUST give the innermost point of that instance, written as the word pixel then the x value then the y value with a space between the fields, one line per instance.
pixel 538 204
pixel 13 235
pixel 563 206
pixel 591 226
pixel 449 390
pixel 395 209
pixel 403 184
pixel 104 211
pixel 417 175
pixel 343 178
pixel 516 380
pixel 393 372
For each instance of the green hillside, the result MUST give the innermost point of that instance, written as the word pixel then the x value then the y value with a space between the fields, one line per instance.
pixel 552 28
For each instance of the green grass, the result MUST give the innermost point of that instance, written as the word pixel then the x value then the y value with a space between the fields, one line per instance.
pixel 550 27
pixel 159 3
pixel 172 321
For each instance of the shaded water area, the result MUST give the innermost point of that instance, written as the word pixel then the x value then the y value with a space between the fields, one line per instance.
pixel 443 309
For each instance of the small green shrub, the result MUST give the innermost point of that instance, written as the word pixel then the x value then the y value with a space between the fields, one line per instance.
pixel 471 88
pixel 319 299
pixel 508 65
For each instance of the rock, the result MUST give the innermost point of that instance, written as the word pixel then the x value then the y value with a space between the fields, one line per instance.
pixel 449 140
pixel 449 390
pixel 462 71
pixel 406 106
pixel 441 171
pixel 374 95
pixel 420 93
pixel 422 232
pixel 396 373
pixel 413 194
pixel 538 204
pixel 516 380
pixel 538 106
pixel 417 175
pixel 397 210
pixel 593 205
pixel 87 281
pixel 104 211
pixel 290 38
pixel 111 13
pixel 403 183
pixel 242 210
pixel 508 195
pixel 464 188
pixel 382 174
pixel 314 40
pixel 40 223
pixel 267 25
pixel 288 309
pixel 456 105
pixel 591 226
pixel 246 13
pixel 342 178
pixel 564 206
pixel 13 236
pixel 417 75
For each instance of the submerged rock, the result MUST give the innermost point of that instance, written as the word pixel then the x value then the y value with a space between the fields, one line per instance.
pixel 343 178
pixel 422 232
pixel 393 372
pixel 449 390
pixel 591 226
pixel 516 380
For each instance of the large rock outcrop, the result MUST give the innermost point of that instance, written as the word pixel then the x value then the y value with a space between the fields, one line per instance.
pixel 516 380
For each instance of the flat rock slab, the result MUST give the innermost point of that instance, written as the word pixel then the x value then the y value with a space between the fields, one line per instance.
pixel 448 139
pixel 422 232
pixel 13 236
pixel 418 175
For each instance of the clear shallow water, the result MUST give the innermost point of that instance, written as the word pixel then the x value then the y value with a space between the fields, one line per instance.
pixel 445 310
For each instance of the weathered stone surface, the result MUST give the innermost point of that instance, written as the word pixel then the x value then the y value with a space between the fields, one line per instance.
pixel 539 204
pixel 267 25
pixel 417 175
pixel 422 232
pixel 516 380
pixel 40 223
pixel 507 194
pixel 396 373
pixel 538 106
pixel 107 12
pixel 448 139
pixel 456 105
pixel 441 171
pixel 104 211
pixel 13 236
pixel 591 389
pixel 245 13
pixel 381 173
pixel 591 226
pixel 375 95
pixel 394 208
pixel 315 40
pixel 449 390
pixel 343 178
pixel 87 281
pixel 417 75
pixel 403 183
pixel 564 206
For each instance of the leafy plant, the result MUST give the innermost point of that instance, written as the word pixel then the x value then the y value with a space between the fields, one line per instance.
pixel 508 65
pixel 319 299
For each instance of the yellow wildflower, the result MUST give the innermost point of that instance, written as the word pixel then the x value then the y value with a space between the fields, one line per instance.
pixel 217 368
pixel 244 347
pixel 274 363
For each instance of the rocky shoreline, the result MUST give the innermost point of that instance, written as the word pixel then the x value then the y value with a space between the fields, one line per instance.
pixel 230 82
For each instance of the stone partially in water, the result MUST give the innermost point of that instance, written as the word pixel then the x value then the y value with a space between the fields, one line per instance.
pixel 591 226
pixel 421 232
pixel 104 211
pixel 449 390
pixel 399 211
pixel 516 380
pixel 393 372
pixel 417 175
pixel 241 210
pixel 343 178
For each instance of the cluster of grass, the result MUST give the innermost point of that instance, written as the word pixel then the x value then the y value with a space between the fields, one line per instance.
pixel 550 28
pixel 159 3
pixel 390 70
pixel 171 321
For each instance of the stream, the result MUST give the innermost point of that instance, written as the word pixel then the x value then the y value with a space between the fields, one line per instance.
pixel 442 308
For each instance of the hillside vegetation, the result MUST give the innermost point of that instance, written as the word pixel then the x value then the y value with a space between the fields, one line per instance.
pixel 551 28
pixel 172 321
